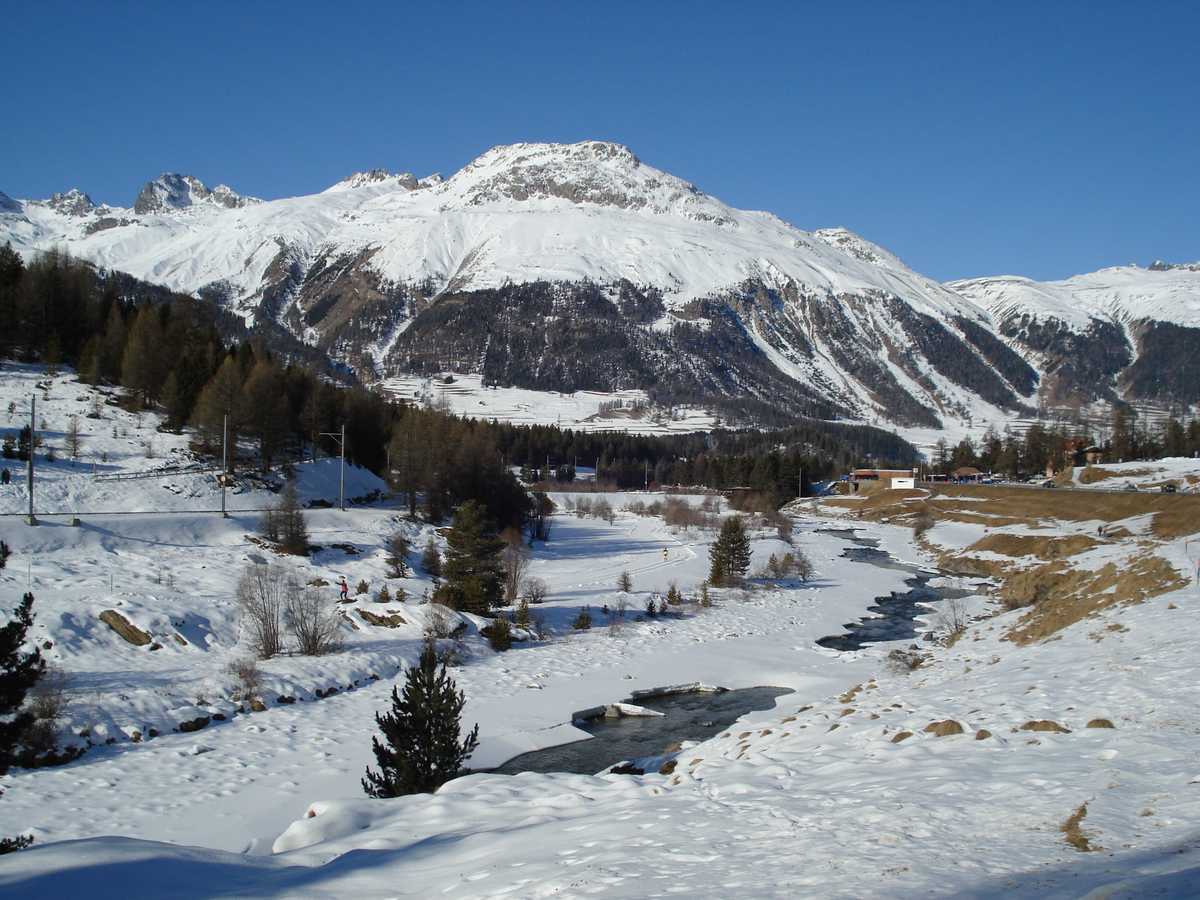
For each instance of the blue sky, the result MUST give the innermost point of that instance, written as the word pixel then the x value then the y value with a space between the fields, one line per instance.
pixel 1041 139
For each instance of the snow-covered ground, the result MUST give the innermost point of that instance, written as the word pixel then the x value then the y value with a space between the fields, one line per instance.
pixel 816 798
pixel 589 411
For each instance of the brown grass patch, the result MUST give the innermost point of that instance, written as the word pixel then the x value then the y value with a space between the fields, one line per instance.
pixel 944 729
pixel 982 734
pixel 1093 474
pixel 1100 723
pixel 1076 836
pixel 900 736
pixel 1174 514
pixel 1038 546
pixel 849 695
pixel 1045 725
pixel 1061 596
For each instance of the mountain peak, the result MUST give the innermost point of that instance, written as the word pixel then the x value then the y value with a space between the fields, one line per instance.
pixel 407 180
pixel 8 204
pixel 591 172
pixel 858 247
pixel 170 192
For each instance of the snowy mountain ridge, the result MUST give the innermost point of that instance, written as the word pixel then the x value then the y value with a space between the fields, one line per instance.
pixel 696 297
pixel 1167 293
pixel 465 223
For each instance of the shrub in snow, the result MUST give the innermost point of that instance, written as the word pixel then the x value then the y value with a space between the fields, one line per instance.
pixel 47 702
pixel 583 621
pixel 922 523
pixel 247 678
pixel 515 558
pixel 534 590
pixel 499 633
pixel 316 627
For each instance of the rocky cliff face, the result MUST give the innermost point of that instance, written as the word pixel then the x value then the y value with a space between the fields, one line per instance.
pixel 171 193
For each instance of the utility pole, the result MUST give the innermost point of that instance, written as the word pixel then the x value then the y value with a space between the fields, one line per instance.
pixel 31 519
pixel 224 463
pixel 341 466
pixel 800 486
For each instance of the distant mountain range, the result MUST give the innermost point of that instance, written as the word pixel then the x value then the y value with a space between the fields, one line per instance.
pixel 567 267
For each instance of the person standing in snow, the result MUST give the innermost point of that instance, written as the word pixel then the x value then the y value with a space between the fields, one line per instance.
pixel 345 595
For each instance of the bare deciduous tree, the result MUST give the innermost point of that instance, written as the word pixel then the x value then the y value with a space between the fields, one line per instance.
pixel 515 558
pixel 397 559
pixel 261 599
pixel 74 438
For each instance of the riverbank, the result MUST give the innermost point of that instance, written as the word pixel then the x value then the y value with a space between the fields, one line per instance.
pixel 990 767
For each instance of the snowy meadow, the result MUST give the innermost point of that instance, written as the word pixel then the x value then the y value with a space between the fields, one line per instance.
pixel 968 761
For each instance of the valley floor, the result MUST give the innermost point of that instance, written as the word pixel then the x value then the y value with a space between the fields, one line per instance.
pixel 840 791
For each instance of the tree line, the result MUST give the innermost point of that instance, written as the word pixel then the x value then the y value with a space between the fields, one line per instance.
pixel 1044 446
pixel 202 369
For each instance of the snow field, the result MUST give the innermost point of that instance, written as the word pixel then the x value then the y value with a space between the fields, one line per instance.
pixel 815 798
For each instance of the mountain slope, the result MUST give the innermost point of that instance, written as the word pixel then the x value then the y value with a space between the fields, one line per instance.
pixel 645 282
pixel 1123 333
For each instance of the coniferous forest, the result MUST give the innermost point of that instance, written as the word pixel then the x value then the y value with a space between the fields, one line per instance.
pixel 203 368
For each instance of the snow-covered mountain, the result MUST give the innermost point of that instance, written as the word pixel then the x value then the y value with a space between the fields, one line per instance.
pixel 570 267
pixel 1120 333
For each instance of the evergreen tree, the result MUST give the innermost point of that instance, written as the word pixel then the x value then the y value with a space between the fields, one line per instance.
pixel 472 569
pixel 12 271
pixel 264 411
pixel 730 553
pixel 145 363
pixel 19 671
pixel 421 748
pixel 220 399
pixel 397 547
pixel 293 530
pixel 431 559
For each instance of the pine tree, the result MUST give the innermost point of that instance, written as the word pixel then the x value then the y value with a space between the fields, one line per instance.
pixel 421 748
pixel 220 402
pixel 264 410
pixel 398 547
pixel 293 530
pixel 473 571
pixel 145 366
pixel 431 559
pixel 730 553
pixel 19 671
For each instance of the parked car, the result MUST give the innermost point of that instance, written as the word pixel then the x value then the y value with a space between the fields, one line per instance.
pixel 1130 486
pixel 1168 488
